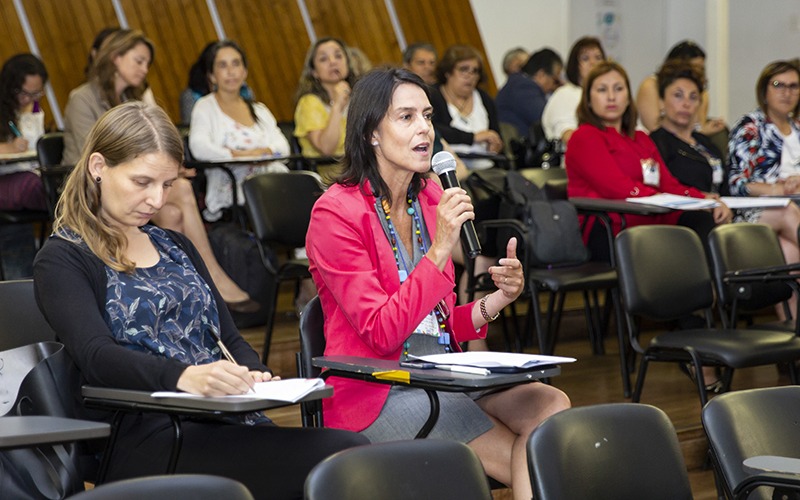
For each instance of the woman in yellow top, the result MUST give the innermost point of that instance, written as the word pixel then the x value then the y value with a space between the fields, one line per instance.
pixel 323 96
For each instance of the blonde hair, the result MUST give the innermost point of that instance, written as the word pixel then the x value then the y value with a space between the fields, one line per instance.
pixel 122 134
pixel 103 69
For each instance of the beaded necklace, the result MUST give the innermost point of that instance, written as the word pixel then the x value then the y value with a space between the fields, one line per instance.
pixel 440 311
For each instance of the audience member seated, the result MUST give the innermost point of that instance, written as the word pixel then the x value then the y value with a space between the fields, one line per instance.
pixel 118 75
pixel 608 158
pixel 385 233
pixel 464 114
pixel 322 98
pixel 420 58
pixel 137 309
pixel 227 126
pixel 514 60
pixel 765 152
pixel 359 62
pixel 647 98
pixel 22 81
pixel 198 86
pixel 559 120
pixel 95 48
pixel 521 100
pixel 689 155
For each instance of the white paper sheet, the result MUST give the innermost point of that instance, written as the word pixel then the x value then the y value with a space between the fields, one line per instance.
pixel 290 390
pixel 490 359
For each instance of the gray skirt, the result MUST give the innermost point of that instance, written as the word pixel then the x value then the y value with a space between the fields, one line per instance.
pixel 406 409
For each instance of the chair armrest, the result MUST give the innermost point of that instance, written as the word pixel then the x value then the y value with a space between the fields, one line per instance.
pixel 766 479
pixel 35 430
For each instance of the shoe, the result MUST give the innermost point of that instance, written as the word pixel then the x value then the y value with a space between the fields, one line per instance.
pixel 247 306
pixel 715 387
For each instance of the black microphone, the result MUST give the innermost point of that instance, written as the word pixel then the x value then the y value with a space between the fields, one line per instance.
pixel 444 165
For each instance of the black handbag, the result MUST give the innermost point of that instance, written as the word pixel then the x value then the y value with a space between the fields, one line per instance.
pixel 45 379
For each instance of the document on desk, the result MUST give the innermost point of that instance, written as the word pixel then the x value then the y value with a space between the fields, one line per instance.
pixel 24 155
pixel 496 361
pixel 675 201
pixel 736 202
pixel 290 390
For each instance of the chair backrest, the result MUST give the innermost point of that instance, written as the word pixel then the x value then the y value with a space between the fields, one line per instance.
pixel 21 322
pixel 662 271
pixel 287 128
pixel 279 205
pixel 312 344
pixel 540 176
pixel 40 379
pixel 735 247
pixel 50 148
pixel 194 486
pixel 312 338
pixel 419 469
pixel 620 451
pixel 750 423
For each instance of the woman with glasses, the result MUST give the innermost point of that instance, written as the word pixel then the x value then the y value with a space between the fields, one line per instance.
pixel 464 114
pixel 22 81
pixel 765 152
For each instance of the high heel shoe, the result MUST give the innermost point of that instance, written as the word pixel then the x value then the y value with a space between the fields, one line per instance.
pixel 715 387
pixel 247 306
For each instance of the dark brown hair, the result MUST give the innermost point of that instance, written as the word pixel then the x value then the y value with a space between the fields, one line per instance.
pixel 765 79
pixel 585 112
pixel 454 55
pixel 675 69
pixel 573 62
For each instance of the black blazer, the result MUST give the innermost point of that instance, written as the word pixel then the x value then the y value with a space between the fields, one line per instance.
pixel 687 165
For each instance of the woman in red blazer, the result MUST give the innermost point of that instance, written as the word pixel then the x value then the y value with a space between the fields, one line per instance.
pixel 379 244
pixel 608 158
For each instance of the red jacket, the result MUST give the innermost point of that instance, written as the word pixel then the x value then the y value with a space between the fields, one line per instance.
pixel 367 311
pixel 607 164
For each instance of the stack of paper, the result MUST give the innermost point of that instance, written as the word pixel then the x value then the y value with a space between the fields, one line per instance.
pixel 735 202
pixel 290 390
pixel 675 201
pixel 495 360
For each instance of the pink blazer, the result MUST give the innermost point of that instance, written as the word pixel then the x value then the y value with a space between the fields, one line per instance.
pixel 367 312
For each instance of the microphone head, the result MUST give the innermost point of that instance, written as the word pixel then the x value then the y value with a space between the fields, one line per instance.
pixel 443 162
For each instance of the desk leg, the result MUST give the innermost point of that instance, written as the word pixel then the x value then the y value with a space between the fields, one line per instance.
pixel 112 440
pixel 176 444
pixel 433 397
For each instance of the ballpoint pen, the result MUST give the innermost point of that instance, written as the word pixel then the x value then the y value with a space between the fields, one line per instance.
pixel 474 370
pixel 14 129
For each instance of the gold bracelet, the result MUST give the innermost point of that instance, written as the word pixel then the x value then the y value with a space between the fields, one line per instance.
pixel 485 314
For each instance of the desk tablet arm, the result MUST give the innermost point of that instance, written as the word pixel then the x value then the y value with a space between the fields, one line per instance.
pixel 784 481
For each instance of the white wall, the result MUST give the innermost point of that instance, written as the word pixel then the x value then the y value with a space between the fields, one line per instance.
pixel 530 24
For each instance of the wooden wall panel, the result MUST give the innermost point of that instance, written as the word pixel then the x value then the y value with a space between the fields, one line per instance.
pixel 179 30
pixel 443 23
pixel 274 38
pixel 360 23
pixel 64 32
pixel 271 32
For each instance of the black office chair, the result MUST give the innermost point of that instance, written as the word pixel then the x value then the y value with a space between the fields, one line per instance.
pixel 744 249
pixel 279 206
pixel 663 275
pixel 312 344
pixel 40 380
pixel 50 149
pixel 751 423
pixel 21 323
pixel 619 451
pixel 194 486
pixel 419 469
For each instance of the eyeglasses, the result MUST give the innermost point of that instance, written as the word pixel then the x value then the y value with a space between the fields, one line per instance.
pixel 30 95
pixel 792 88
pixel 468 70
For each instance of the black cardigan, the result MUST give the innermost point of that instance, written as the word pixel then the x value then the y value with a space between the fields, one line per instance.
pixel 442 117
pixel 70 286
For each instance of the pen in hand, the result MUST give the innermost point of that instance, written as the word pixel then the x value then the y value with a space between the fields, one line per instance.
pixel 14 129
pixel 225 352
